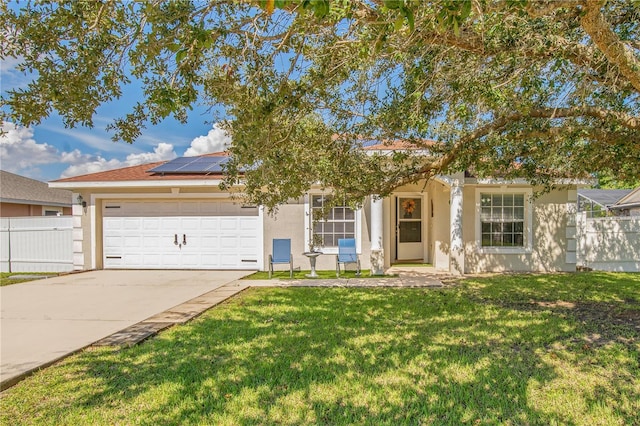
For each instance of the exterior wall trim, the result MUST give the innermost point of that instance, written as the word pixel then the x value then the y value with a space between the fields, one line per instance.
pixel 142 196
pixel 307 228
pixel 136 184
pixel 528 225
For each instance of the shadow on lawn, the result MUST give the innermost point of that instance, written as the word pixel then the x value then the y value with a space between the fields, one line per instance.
pixel 608 305
pixel 335 356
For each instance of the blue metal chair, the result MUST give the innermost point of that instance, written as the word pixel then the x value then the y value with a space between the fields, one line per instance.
pixel 347 254
pixel 281 254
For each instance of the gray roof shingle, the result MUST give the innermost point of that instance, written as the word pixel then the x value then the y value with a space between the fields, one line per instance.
pixel 22 190
pixel 604 197
pixel 631 199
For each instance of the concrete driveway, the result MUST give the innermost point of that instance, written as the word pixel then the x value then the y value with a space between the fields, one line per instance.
pixel 44 320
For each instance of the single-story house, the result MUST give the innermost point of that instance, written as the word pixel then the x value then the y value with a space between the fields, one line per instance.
pixel 629 205
pixel 22 196
pixel 173 215
pixel 600 202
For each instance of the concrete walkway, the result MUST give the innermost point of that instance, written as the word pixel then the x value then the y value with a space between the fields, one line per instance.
pixel 45 321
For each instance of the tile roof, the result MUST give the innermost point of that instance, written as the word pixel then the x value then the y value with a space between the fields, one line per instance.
pixel 22 190
pixel 141 173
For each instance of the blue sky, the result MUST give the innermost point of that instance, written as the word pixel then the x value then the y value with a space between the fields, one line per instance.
pixel 49 151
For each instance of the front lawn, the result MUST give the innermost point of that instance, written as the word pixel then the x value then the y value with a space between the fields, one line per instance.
pixel 515 349
pixel 5 277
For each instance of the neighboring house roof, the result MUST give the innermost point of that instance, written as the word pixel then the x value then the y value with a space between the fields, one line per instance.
pixel 604 197
pixel 22 190
pixel 632 199
pixel 141 173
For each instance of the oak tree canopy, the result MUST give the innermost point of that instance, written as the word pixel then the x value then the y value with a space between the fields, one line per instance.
pixel 515 88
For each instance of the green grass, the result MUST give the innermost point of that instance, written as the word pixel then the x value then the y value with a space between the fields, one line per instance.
pixel 516 349
pixel 325 274
pixel 6 280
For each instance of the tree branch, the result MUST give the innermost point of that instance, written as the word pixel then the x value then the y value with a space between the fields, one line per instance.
pixel 501 122
pixel 609 43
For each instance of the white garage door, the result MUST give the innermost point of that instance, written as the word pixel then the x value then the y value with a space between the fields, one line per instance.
pixel 180 234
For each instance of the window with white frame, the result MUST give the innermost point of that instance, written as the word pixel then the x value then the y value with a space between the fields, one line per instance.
pixel 502 219
pixel 340 222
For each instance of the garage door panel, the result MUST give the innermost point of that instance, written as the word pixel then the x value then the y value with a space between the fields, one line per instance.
pixel 229 224
pixel 246 242
pixel 112 223
pixel 209 224
pixel 113 262
pixel 210 261
pixel 130 223
pixel 152 260
pixel 170 224
pixel 153 242
pixel 190 227
pixel 214 238
pixel 170 260
pixel 190 260
pixel 112 241
pixel 132 242
pixel 229 261
pixel 152 224
pixel 132 260
pixel 248 224
pixel 228 242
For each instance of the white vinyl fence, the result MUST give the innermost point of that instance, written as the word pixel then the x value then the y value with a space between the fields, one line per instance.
pixel 36 244
pixel 609 243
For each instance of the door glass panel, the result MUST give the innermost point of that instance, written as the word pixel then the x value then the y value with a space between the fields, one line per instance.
pixel 410 208
pixel 410 232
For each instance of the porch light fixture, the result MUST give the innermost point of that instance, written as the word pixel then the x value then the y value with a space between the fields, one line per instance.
pixel 81 201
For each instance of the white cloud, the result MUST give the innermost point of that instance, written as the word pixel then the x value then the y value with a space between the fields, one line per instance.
pixel 96 139
pixel 215 141
pixel 20 153
pixel 162 152
pixel 18 149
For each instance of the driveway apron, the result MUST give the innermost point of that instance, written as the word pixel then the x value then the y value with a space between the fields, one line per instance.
pixel 44 320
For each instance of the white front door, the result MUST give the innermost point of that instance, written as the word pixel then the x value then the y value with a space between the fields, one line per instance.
pixel 180 235
pixel 409 225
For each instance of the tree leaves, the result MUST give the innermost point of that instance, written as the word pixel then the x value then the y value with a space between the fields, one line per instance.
pixel 303 85
pixel 453 13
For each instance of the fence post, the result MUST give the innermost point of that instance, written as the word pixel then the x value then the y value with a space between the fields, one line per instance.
pixel 581 223
pixel 9 243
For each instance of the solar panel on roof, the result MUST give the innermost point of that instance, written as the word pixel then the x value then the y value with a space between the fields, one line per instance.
pixel 192 165
pixel 217 165
pixel 202 165
pixel 172 166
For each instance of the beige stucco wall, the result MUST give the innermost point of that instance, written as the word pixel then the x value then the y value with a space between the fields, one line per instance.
pixel 548 238
pixel 289 222
pixel 440 235
pixel 549 228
